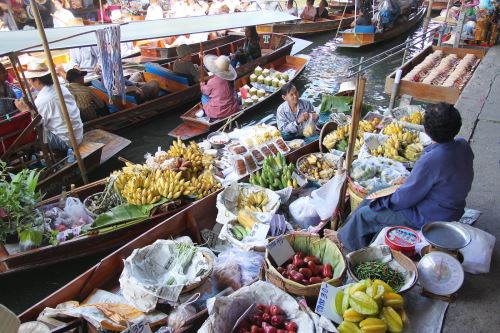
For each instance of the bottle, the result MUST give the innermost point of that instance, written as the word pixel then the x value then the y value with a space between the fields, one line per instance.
pixel 62 198
pixel 70 156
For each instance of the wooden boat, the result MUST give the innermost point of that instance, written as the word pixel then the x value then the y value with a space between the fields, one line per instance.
pixel 437 5
pixel 193 126
pixel 340 5
pixel 181 94
pixel 358 40
pixel 190 221
pixel 306 27
pixel 158 51
pixel 13 261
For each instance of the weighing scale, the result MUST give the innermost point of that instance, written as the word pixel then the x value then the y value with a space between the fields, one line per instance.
pixel 440 272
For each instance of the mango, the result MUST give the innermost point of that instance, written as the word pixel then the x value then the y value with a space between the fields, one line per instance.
pixel 373 325
pixel 348 327
pixel 392 319
pixel 363 303
pixel 353 316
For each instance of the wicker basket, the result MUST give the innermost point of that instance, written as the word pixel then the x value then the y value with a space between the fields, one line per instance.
pixel 354 199
pixel 316 245
pixel 359 190
pixel 318 155
pixel 327 129
pixel 204 277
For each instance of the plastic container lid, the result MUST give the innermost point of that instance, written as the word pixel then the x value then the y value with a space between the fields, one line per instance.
pixel 402 239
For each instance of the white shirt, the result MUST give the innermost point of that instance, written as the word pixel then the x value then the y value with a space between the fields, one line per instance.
pixel 155 12
pixel 292 11
pixel 49 108
pixel 86 58
pixel 65 17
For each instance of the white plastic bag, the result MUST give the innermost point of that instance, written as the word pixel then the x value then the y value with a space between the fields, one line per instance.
pixel 477 255
pixel 326 198
pixel 75 209
pixel 303 212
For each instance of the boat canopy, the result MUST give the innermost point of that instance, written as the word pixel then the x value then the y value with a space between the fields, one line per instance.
pixel 25 41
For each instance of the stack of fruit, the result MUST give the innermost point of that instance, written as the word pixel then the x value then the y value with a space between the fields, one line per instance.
pixel 339 139
pixel 267 319
pixel 188 173
pixel 253 201
pixel 317 167
pixel 402 145
pixel 370 306
pixel 416 118
pixel 276 174
pixel 306 270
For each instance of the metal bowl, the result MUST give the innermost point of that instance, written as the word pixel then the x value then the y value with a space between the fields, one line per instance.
pixel 218 145
pixel 446 235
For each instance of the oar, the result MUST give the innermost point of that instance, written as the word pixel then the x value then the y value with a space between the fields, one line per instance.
pixel 340 23
pixel 202 70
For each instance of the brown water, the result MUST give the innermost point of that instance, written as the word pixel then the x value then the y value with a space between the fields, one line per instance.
pixel 322 75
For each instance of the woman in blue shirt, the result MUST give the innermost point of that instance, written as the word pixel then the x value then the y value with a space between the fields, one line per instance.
pixel 435 190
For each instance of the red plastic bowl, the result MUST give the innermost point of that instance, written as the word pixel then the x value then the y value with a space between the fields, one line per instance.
pixel 402 239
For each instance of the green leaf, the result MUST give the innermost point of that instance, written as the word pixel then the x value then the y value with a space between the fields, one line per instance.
pixel 31 236
pixel 342 104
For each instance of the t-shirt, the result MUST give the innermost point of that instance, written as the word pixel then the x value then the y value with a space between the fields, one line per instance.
pixel 308 13
pixel 62 17
pixel 154 12
pixel 292 11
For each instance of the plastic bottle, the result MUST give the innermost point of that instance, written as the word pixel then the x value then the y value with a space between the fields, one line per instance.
pixel 70 156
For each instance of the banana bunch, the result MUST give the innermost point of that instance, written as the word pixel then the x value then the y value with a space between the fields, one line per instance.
pixel 393 128
pixel 141 190
pixel 414 118
pixel 402 146
pixel 339 138
pixel 191 157
pixel 170 184
pixel 204 184
pixel 317 167
pixel 253 202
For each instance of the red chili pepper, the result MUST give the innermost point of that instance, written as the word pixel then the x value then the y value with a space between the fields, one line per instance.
pixel 327 270
pixel 266 317
pixel 275 310
pixel 278 320
pixel 291 326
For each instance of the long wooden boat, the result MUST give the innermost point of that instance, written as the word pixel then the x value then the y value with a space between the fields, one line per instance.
pixel 274 46
pixel 351 39
pixel 160 52
pixel 190 221
pixel 340 5
pixel 12 261
pixel 307 27
pixel 193 126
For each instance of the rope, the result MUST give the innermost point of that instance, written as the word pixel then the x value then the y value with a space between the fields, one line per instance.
pixel 108 44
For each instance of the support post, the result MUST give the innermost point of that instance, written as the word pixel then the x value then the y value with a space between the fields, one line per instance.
pixel 356 116
pixel 395 89
pixel 407 46
pixel 64 110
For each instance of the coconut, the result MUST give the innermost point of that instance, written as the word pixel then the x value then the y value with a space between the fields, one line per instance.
pixel 260 79
pixel 261 92
pixel 268 81
pixel 247 102
pixel 266 72
pixel 277 75
pixel 258 70
pixel 261 99
pixel 255 98
pixel 285 77
pixel 246 87
pixel 253 91
pixel 276 82
pixel 281 83
pixel 253 78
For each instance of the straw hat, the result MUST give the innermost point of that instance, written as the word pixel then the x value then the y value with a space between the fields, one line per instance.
pixel 33 327
pixel 36 69
pixel 9 323
pixel 220 66
pixel 183 50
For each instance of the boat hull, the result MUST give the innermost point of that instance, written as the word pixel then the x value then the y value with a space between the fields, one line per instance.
pixel 304 28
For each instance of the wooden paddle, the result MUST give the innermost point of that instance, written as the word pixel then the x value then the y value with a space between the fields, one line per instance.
pixel 202 70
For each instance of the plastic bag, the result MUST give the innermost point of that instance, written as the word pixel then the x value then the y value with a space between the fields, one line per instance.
pixel 303 212
pixel 180 314
pixel 326 198
pixel 309 128
pixel 249 263
pixel 75 209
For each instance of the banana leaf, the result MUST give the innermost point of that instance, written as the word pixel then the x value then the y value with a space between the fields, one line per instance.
pixel 342 104
pixel 124 213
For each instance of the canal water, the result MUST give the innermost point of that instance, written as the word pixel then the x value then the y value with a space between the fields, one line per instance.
pixel 324 73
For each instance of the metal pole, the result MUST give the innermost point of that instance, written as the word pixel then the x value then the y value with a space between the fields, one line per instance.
pixel 395 89
pixel 407 46
pixel 427 19
pixel 460 26
pixel 102 12
pixel 57 86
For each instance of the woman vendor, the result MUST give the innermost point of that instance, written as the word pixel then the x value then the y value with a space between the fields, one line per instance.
pixel 251 48
pixel 435 190
pixel 218 96
pixel 322 11
pixel 293 113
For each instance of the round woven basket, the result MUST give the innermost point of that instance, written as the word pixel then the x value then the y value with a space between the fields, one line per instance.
pixel 318 244
pixel 327 129
pixel 359 190
pixel 309 178
pixel 354 199
pixel 204 277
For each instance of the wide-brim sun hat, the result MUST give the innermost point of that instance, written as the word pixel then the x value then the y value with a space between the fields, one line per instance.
pixel 183 50
pixel 36 69
pixel 220 66
pixel 347 86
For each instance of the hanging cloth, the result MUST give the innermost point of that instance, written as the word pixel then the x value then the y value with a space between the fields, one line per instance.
pixel 108 44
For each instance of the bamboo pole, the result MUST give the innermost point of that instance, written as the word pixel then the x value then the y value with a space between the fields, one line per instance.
pixel 53 73
pixel 202 70
pixel 356 116
pixel 340 23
